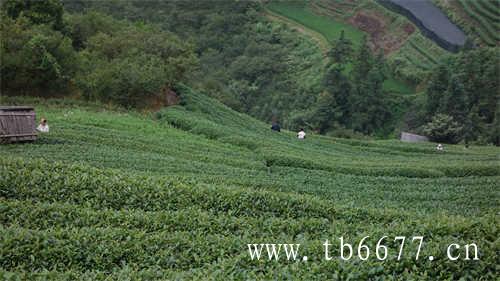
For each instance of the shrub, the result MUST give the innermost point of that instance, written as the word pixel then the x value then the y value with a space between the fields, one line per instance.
pixel 35 59
pixel 208 130
pixel 443 128
pixel 240 141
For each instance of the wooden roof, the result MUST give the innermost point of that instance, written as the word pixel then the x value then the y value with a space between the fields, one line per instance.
pixel 16 108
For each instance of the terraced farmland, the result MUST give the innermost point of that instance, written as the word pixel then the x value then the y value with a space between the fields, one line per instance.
pixel 410 53
pixel 337 7
pixel 480 18
pixel 422 53
pixel 179 194
pixel 324 23
pixel 328 27
pixel 394 33
pixel 487 17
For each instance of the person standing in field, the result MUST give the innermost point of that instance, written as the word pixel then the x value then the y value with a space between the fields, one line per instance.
pixel 43 127
pixel 276 127
pixel 301 134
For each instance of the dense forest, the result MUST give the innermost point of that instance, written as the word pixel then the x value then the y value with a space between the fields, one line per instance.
pixel 129 52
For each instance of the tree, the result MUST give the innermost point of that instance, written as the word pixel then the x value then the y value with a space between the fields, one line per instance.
pixel 326 113
pixel 130 64
pixel 472 126
pixel 493 129
pixel 48 12
pixel 332 105
pixel 83 26
pixel 454 100
pixel 337 84
pixel 249 63
pixel 467 88
pixel 443 128
pixel 130 82
pixel 342 50
pixel 363 61
pixel 436 87
pixel 368 105
pixel 35 59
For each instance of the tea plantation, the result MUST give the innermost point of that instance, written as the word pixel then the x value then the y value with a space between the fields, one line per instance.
pixel 178 194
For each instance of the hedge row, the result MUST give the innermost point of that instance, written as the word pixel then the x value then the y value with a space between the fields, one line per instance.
pixel 81 184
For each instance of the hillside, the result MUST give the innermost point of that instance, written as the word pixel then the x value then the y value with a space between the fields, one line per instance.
pixel 330 29
pixel 178 194
pixel 408 51
pixel 480 19
pixel 339 68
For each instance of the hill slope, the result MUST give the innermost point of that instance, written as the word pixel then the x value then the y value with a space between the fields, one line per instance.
pixel 388 31
pixel 329 27
pixel 480 18
pixel 112 194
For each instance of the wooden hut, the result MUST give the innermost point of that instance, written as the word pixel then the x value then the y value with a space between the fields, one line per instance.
pixel 17 123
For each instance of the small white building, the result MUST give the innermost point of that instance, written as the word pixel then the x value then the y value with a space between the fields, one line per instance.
pixel 409 137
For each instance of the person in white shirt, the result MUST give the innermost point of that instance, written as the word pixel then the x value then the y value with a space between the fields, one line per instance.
pixel 43 127
pixel 301 134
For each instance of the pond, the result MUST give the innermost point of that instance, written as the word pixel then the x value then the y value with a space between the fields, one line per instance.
pixel 431 20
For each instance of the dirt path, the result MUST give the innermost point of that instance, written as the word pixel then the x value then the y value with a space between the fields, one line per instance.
pixel 323 44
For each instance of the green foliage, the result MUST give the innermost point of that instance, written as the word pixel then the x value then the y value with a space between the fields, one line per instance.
pixel 35 58
pixel 466 88
pixel 342 50
pixel 443 128
pixel 129 64
pixel 479 19
pixel 437 85
pixel 108 60
pixel 113 194
pixel 49 12
pixel 329 28
pixel 83 26
pixel 488 25
pixel 234 45
pixel 326 113
pixel 129 52
pixel 332 106
pixel 368 105
pixel 358 102
pixel 127 82
pixel 306 15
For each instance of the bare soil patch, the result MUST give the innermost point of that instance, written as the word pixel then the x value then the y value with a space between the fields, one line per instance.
pixel 381 36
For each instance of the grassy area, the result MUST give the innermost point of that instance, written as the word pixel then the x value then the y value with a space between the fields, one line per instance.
pixel 394 85
pixel 321 41
pixel 336 8
pixel 110 194
pixel 329 28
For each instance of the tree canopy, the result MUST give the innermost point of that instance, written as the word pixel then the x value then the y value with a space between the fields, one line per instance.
pixel 128 52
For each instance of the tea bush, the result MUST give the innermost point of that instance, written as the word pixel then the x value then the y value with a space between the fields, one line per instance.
pixel 177 195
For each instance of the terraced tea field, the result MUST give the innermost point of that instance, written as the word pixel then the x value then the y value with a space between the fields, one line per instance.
pixel 480 18
pixel 178 195
pixel 422 53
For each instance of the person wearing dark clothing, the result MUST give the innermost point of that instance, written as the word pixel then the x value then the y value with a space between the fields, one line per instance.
pixel 276 127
